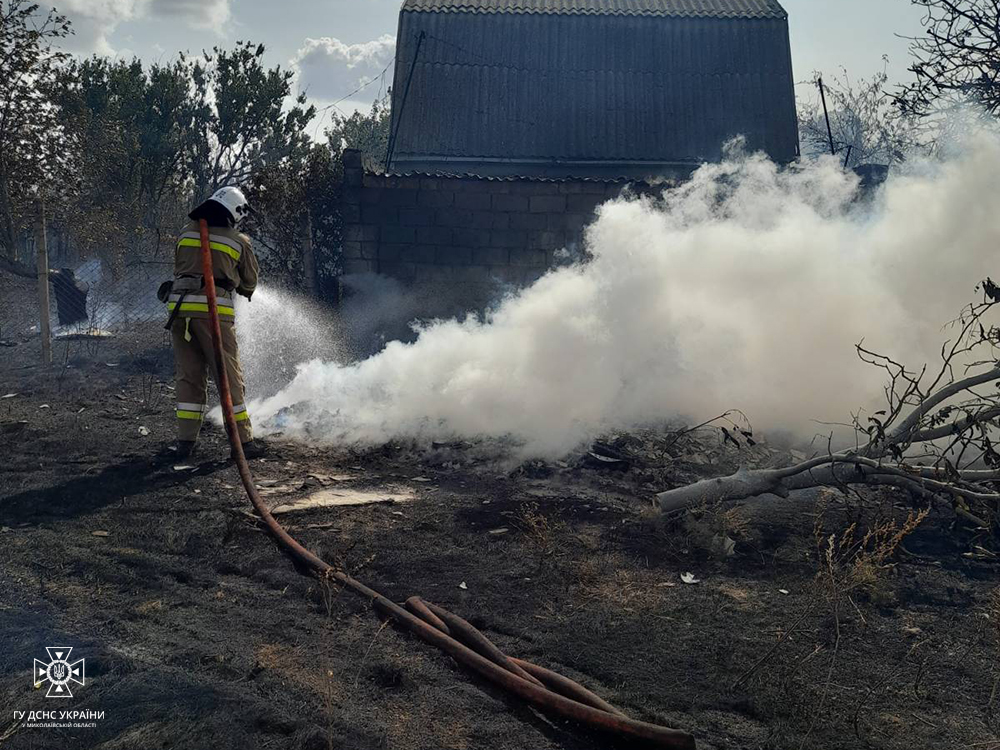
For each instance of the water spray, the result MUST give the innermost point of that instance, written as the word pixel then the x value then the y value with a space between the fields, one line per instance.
pixel 546 690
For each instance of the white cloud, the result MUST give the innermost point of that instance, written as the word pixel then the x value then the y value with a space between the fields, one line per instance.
pixel 94 21
pixel 201 14
pixel 328 69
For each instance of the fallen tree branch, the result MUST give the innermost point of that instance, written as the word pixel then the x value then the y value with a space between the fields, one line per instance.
pixel 881 457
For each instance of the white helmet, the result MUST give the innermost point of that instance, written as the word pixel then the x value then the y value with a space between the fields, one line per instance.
pixel 230 198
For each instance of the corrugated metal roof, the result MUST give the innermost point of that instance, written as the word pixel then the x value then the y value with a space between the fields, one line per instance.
pixel 581 94
pixel 673 8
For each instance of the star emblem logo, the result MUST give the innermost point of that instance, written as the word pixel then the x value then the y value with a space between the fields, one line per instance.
pixel 60 672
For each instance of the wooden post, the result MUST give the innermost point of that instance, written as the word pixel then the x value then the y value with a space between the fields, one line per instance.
pixel 309 256
pixel 43 285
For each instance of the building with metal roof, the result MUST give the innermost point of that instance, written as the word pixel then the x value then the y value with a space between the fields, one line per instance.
pixel 588 88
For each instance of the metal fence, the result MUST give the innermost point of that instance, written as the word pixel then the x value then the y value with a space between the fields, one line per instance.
pixel 94 312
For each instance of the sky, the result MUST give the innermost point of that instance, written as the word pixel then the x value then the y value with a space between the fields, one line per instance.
pixel 336 46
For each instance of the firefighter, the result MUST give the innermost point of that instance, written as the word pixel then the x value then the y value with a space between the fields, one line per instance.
pixel 235 270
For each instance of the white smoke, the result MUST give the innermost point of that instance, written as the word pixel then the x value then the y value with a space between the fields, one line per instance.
pixel 746 288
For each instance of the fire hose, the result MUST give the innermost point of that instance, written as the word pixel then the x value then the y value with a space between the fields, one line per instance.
pixel 548 691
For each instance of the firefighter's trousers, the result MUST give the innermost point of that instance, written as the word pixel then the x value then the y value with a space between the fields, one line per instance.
pixel 194 356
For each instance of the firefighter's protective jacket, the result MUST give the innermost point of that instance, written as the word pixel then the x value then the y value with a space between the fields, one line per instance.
pixel 234 265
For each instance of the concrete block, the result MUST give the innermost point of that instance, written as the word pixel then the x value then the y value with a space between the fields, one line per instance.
pixel 373 181
pixel 582 204
pixel 377 213
pixel 491 187
pixel 509 203
pixel 476 201
pixel 533 274
pixel 453 255
pixel 597 188
pixel 432 272
pixel 371 196
pixel 545 240
pixel 419 253
pixel 403 271
pixel 351 157
pixel 353 265
pixel 398 234
pixel 399 197
pixel 474 274
pixel 435 198
pixel 471 237
pixel 508 238
pixel 434 235
pixel 530 222
pixel 416 217
pixel 490 256
pixel 484 220
pixel 528 188
pixel 453 217
pixel 390 253
pixel 354 233
pixel 575 223
pixel 352 249
pixel 519 257
pixel 544 204
pixel 354 176
pixel 350 213
pixel 507 274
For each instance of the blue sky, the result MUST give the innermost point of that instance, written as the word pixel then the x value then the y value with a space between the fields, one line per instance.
pixel 337 45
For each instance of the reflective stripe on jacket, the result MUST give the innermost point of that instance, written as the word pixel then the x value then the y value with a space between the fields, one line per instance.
pixel 198 303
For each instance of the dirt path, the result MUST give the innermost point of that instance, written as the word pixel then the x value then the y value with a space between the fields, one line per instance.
pixel 197 632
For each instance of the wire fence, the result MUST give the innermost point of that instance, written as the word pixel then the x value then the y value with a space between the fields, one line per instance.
pixel 94 312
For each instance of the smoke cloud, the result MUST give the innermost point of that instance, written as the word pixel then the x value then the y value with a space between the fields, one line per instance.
pixel 747 288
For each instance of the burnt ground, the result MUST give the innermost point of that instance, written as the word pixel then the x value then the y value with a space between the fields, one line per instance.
pixel 198 632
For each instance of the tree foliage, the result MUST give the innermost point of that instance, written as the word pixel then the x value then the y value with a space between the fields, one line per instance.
pixel 295 196
pixel 245 122
pixel 30 153
pixel 368 133
pixel 291 198
pixel 127 131
pixel 145 142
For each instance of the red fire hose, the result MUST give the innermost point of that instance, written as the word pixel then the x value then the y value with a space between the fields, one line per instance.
pixel 547 690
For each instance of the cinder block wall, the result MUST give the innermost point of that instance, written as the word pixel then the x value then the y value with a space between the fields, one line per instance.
pixel 463 232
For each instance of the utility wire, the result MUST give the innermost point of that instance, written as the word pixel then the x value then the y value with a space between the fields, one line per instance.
pixel 323 110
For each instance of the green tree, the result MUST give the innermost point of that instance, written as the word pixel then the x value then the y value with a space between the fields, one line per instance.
pixel 247 123
pixel 301 195
pixel 294 200
pixel 31 153
pixel 368 133
pixel 126 129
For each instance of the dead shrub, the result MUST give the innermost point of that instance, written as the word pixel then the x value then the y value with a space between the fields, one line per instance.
pixel 540 532
pixel 717 528
pixel 858 560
